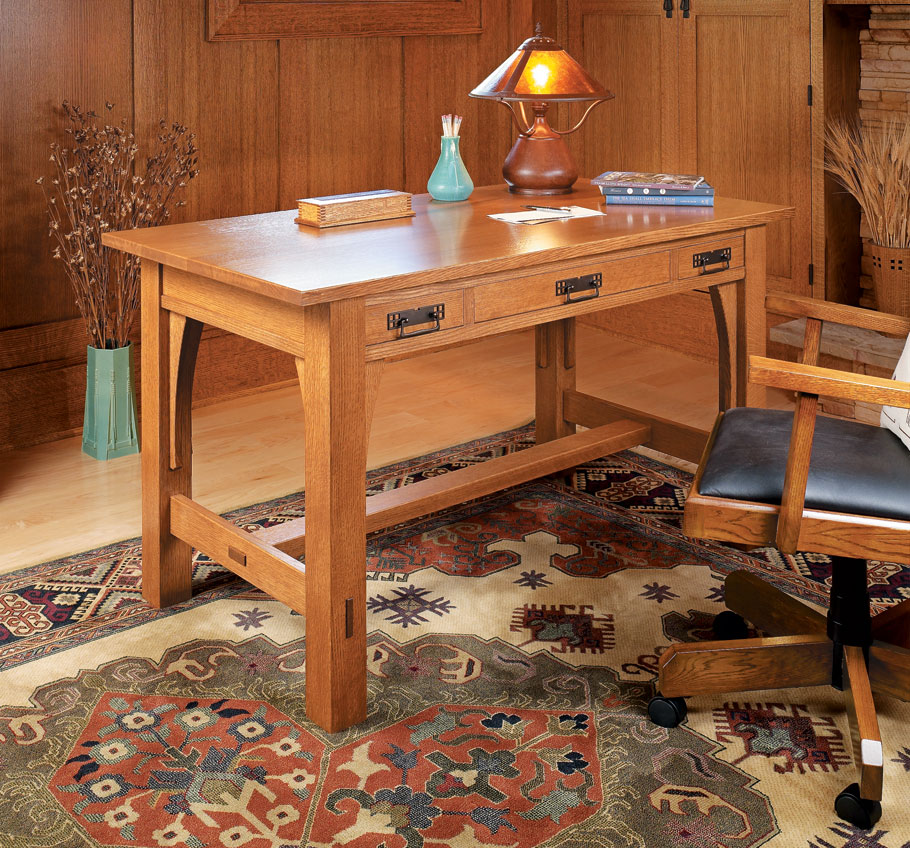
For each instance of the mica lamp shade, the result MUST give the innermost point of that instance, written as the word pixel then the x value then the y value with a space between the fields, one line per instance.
pixel 538 73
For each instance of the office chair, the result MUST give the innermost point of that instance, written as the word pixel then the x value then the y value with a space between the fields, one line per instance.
pixel 756 486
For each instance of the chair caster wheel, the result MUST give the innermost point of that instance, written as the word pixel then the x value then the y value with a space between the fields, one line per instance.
pixel 667 712
pixel 730 625
pixel 855 810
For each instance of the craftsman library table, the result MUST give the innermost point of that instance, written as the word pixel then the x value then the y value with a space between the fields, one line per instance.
pixel 344 300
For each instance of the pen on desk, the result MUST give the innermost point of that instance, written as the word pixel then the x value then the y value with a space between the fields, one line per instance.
pixel 550 208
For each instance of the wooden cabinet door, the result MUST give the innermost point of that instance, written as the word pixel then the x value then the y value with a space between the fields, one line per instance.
pixel 630 47
pixel 744 114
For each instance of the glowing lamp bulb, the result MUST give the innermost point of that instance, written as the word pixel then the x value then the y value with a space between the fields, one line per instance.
pixel 541 76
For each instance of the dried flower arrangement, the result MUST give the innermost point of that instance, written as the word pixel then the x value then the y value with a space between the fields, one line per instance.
pixel 95 189
pixel 873 164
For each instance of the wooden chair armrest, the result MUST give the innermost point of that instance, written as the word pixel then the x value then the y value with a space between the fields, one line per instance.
pixel 797 306
pixel 828 381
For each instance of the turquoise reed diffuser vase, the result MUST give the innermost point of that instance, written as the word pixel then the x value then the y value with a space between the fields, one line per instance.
pixel 450 180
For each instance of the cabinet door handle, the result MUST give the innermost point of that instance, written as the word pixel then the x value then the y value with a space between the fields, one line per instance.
pixel 684 7
pixel 668 8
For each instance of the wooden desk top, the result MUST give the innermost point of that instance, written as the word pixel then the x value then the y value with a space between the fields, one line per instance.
pixel 271 255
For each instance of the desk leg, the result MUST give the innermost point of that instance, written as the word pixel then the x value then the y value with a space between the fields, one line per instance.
pixel 332 377
pixel 555 373
pixel 169 346
pixel 752 341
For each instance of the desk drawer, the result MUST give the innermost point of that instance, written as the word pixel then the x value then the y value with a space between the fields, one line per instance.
pixel 710 257
pixel 542 291
pixel 408 314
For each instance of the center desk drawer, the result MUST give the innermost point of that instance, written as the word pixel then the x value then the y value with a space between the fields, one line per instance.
pixel 541 291
pixel 413 313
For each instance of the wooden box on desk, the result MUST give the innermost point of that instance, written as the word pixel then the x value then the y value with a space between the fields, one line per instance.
pixel 356 208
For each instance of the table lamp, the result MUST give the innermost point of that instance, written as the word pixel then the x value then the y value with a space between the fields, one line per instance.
pixel 539 73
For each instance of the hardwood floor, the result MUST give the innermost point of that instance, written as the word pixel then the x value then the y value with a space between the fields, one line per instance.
pixel 55 500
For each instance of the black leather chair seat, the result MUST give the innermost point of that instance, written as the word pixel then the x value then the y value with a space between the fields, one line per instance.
pixel 856 468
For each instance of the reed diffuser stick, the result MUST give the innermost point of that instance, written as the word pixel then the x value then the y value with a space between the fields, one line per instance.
pixel 451 125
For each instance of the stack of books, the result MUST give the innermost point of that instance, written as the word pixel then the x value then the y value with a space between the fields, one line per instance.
pixel 359 207
pixel 623 188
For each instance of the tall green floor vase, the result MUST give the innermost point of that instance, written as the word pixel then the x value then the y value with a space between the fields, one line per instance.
pixel 110 429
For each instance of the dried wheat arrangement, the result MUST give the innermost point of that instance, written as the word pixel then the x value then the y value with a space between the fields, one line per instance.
pixel 873 164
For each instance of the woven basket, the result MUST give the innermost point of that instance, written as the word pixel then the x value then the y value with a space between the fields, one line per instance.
pixel 891 278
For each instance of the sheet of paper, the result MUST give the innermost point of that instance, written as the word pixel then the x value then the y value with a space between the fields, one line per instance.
pixel 542 216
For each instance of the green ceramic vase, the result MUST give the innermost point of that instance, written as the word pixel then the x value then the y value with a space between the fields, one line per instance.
pixel 450 180
pixel 110 429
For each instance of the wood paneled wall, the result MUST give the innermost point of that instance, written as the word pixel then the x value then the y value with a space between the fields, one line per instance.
pixel 275 120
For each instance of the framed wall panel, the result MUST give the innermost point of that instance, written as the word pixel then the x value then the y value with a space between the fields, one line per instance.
pixel 232 20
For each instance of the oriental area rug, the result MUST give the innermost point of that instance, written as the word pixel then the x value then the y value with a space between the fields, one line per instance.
pixel 512 650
